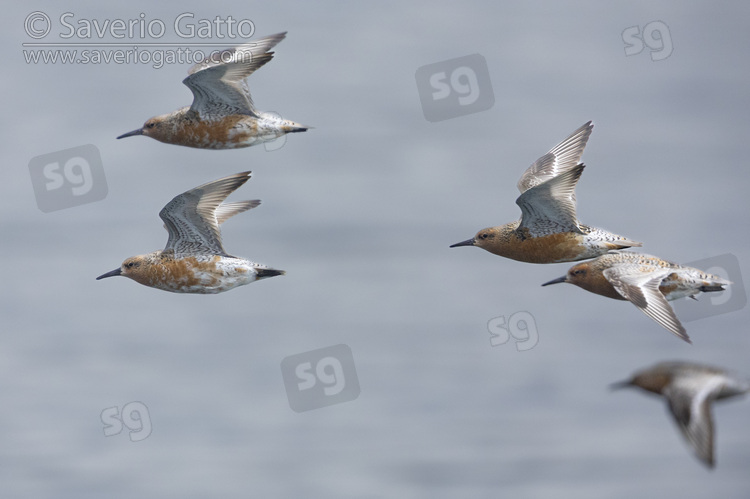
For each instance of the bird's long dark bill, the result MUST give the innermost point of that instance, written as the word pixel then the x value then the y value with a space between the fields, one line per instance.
pixel 555 281
pixel 468 242
pixel 111 273
pixel 130 134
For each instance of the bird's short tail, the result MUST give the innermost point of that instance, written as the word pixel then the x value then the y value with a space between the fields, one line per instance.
pixel 714 283
pixel 627 243
pixel 290 126
pixel 262 273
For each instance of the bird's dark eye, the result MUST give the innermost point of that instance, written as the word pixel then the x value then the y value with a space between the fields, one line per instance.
pixel 484 236
pixel 150 125
pixel 578 272
pixel 130 265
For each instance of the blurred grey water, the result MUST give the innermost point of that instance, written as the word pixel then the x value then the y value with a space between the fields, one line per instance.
pixel 360 211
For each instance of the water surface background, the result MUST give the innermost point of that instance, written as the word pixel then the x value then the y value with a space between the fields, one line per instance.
pixel 360 212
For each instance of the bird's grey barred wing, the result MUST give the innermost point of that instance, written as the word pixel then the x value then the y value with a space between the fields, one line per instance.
pixel 642 290
pixel 191 218
pixel 220 90
pixel 548 207
pixel 564 156
pixel 217 82
pixel 228 210
pixel 689 400
pixel 254 47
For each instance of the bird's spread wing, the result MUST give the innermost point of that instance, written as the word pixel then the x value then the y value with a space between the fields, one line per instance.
pixel 562 157
pixel 228 210
pixel 217 82
pixel 642 290
pixel 192 218
pixel 689 401
pixel 550 206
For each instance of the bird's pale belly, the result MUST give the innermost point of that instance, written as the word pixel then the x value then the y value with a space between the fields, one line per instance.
pixel 193 275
